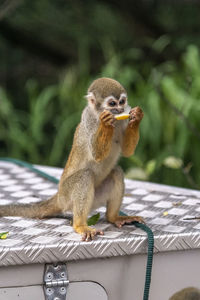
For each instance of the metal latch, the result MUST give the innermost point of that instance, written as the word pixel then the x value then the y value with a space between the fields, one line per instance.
pixel 55 282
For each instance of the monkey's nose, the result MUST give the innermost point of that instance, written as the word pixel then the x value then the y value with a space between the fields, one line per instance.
pixel 121 110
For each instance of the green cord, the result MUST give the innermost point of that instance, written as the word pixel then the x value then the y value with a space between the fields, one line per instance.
pixel 149 258
pixel 149 255
pixel 31 167
pixel 139 225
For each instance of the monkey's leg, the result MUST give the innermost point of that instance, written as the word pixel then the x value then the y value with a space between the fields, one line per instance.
pixel 81 185
pixel 115 199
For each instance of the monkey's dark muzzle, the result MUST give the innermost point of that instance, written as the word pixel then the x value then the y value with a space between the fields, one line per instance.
pixel 116 111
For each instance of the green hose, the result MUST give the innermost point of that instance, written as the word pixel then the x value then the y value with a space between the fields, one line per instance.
pixel 149 256
pixel 31 167
pixel 139 225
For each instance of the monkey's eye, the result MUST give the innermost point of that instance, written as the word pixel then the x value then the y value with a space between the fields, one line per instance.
pixel 121 102
pixel 112 103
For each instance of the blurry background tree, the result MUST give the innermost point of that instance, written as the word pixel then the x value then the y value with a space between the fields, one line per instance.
pixel 50 51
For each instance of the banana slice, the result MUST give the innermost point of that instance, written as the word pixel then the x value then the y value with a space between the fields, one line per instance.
pixel 123 116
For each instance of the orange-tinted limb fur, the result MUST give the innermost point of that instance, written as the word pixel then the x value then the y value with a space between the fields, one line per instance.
pixel 130 140
pixel 103 142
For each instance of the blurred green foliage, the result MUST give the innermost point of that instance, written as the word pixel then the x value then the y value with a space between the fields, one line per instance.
pixel 68 44
pixel 44 132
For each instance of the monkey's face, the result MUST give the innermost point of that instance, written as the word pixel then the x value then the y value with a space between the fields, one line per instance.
pixel 115 105
pixel 107 94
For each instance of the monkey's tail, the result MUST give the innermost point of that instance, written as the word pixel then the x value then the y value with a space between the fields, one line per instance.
pixel 39 210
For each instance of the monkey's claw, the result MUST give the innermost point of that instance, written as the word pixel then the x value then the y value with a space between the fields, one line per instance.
pixel 90 234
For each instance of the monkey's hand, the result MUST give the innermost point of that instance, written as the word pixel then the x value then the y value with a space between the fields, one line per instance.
pixel 88 233
pixel 136 115
pixel 107 119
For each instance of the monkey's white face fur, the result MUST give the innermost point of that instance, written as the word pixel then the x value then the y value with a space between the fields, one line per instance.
pixel 110 103
pixel 116 106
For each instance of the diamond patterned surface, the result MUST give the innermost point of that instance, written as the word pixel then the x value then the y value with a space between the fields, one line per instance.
pixel 53 239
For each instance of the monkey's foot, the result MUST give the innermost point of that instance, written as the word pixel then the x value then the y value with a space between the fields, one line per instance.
pixel 88 233
pixel 119 221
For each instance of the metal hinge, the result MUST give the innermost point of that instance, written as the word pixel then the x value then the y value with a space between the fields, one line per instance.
pixel 55 282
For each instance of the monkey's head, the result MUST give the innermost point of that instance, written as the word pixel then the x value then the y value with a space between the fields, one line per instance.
pixel 107 94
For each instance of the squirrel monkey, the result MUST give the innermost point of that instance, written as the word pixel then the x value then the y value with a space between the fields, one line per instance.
pixel 91 177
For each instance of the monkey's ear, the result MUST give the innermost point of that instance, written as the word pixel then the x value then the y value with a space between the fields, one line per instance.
pixel 91 98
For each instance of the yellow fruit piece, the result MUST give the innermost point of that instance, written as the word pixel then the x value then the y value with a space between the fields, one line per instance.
pixel 165 213
pixel 122 116
pixel 3 236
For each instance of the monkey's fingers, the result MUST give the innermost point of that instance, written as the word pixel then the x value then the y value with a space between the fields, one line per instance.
pixel 127 220
pixel 136 114
pixel 86 236
pixel 108 120
pixel 119 224
pixel 134 121
pixel 105 114
pixel 99 232
pixel 108 117
pixel 89 235
pixel 137 117
pixel 137 219
pixel 136 110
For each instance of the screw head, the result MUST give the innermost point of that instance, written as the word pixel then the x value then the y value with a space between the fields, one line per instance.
pixel 63 290
pixel 49 291
pixel 49 275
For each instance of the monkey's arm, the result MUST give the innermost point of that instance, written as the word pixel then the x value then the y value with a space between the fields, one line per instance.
pixel 131 134
pixel 102 140
pixel 130 140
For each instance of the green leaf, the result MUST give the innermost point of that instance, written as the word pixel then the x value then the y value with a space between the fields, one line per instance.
pixel 3 235
pixel 93 219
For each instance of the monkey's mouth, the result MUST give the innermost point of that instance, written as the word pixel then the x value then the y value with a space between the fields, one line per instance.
pixel 116 111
